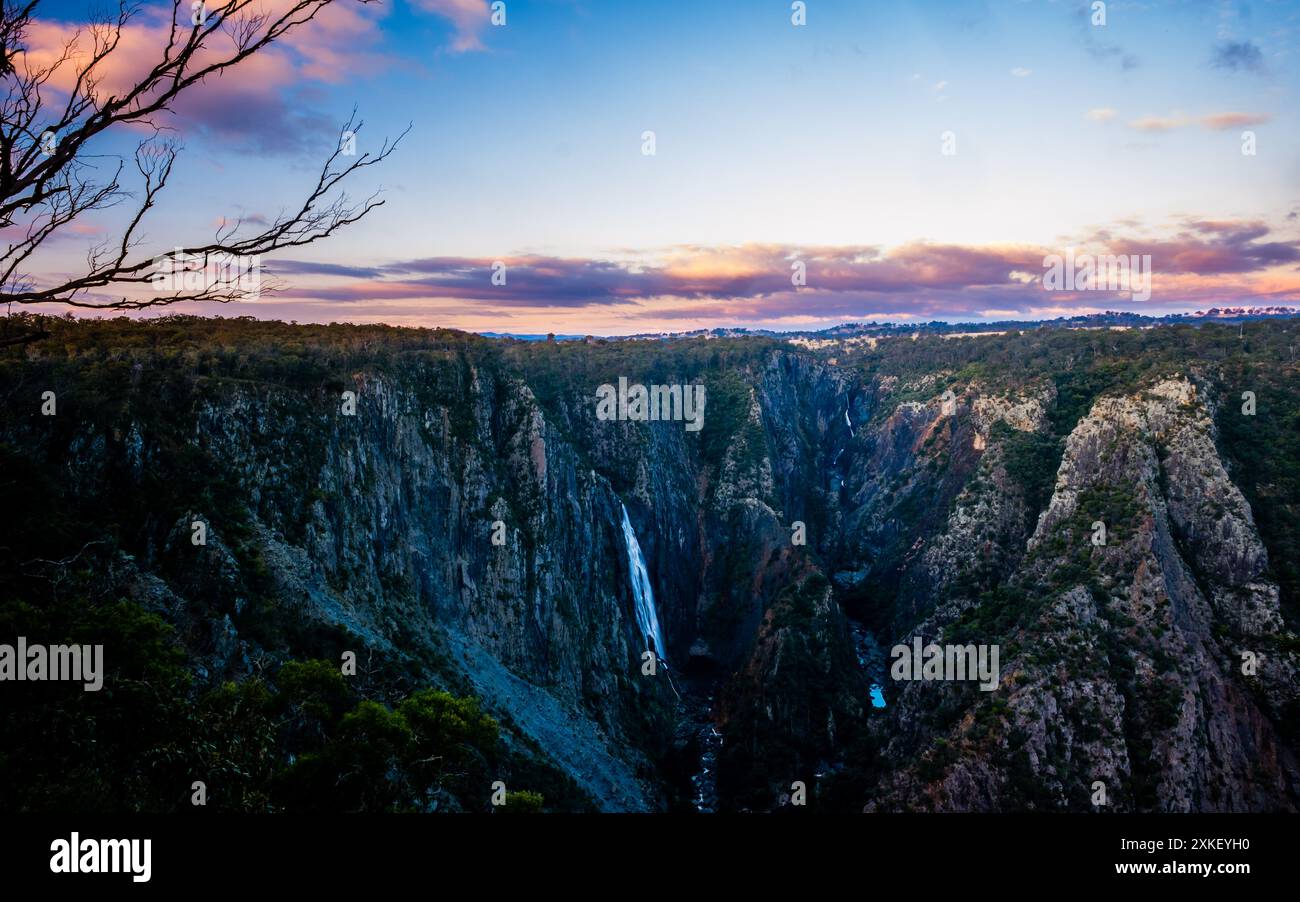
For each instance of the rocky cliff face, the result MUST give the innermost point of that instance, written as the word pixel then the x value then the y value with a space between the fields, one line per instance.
pixel 463 527
pixel 382 524
pixel 1126 622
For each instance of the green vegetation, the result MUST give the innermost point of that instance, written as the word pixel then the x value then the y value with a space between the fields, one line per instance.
pixel 1000 612
pixel 1262 452
pixel 97 506
pixel 303 740
pixel 726 412
pixel 1031 460
pixel 522 802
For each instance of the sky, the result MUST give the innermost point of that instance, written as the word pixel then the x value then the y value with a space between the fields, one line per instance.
pixel 913 161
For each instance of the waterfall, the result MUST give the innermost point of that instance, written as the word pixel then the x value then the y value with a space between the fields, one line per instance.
pixel 642 593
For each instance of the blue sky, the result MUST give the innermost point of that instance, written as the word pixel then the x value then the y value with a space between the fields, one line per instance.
pixel 773 143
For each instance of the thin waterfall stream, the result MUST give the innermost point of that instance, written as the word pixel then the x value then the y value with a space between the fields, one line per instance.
pixel 647 618
pixel 642 593
pixel 643 597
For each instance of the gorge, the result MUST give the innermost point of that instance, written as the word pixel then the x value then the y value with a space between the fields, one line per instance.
pixel 947 489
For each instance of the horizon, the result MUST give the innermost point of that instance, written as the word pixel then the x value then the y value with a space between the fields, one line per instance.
pixel 1213 315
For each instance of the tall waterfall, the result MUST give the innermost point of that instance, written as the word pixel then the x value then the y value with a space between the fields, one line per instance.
pixel 642 594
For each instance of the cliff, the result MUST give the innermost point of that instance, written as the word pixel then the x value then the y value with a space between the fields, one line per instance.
pixel 459 527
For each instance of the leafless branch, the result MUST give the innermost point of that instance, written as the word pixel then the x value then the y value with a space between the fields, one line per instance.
pixel 49 179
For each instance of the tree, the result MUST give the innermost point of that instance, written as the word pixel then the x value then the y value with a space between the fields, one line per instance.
pixel 47 179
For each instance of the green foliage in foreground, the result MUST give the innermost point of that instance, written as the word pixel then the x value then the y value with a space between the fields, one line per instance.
pixel 303 741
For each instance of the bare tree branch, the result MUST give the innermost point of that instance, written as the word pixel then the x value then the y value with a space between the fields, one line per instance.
pixel 49 179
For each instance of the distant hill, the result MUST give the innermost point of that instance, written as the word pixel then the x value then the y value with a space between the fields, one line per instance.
pixel 1093 320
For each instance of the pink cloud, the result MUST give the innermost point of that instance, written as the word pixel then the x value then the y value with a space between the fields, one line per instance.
pixel 1198 263
pixel 1224 121
pixel 1159 123
pixel 1212 121
pixel 1195 263
pixel 252 104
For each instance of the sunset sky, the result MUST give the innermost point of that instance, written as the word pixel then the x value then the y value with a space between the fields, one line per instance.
pixel 773 143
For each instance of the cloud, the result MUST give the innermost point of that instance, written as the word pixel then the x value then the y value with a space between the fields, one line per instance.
pixel 75 231
pixel 752 282
pixel 1214 247
pixel 251 120
pixel 1101 114
pixel 1198 263
pixel 1225 121
pixel 308 268
pixel 341 42
pixel 689 272
pixel 256 106
pixel 225 222
pixel 1159 123
pixel 468 17
pixel 1212 121
pixel 1239 56
pixel 1020 72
